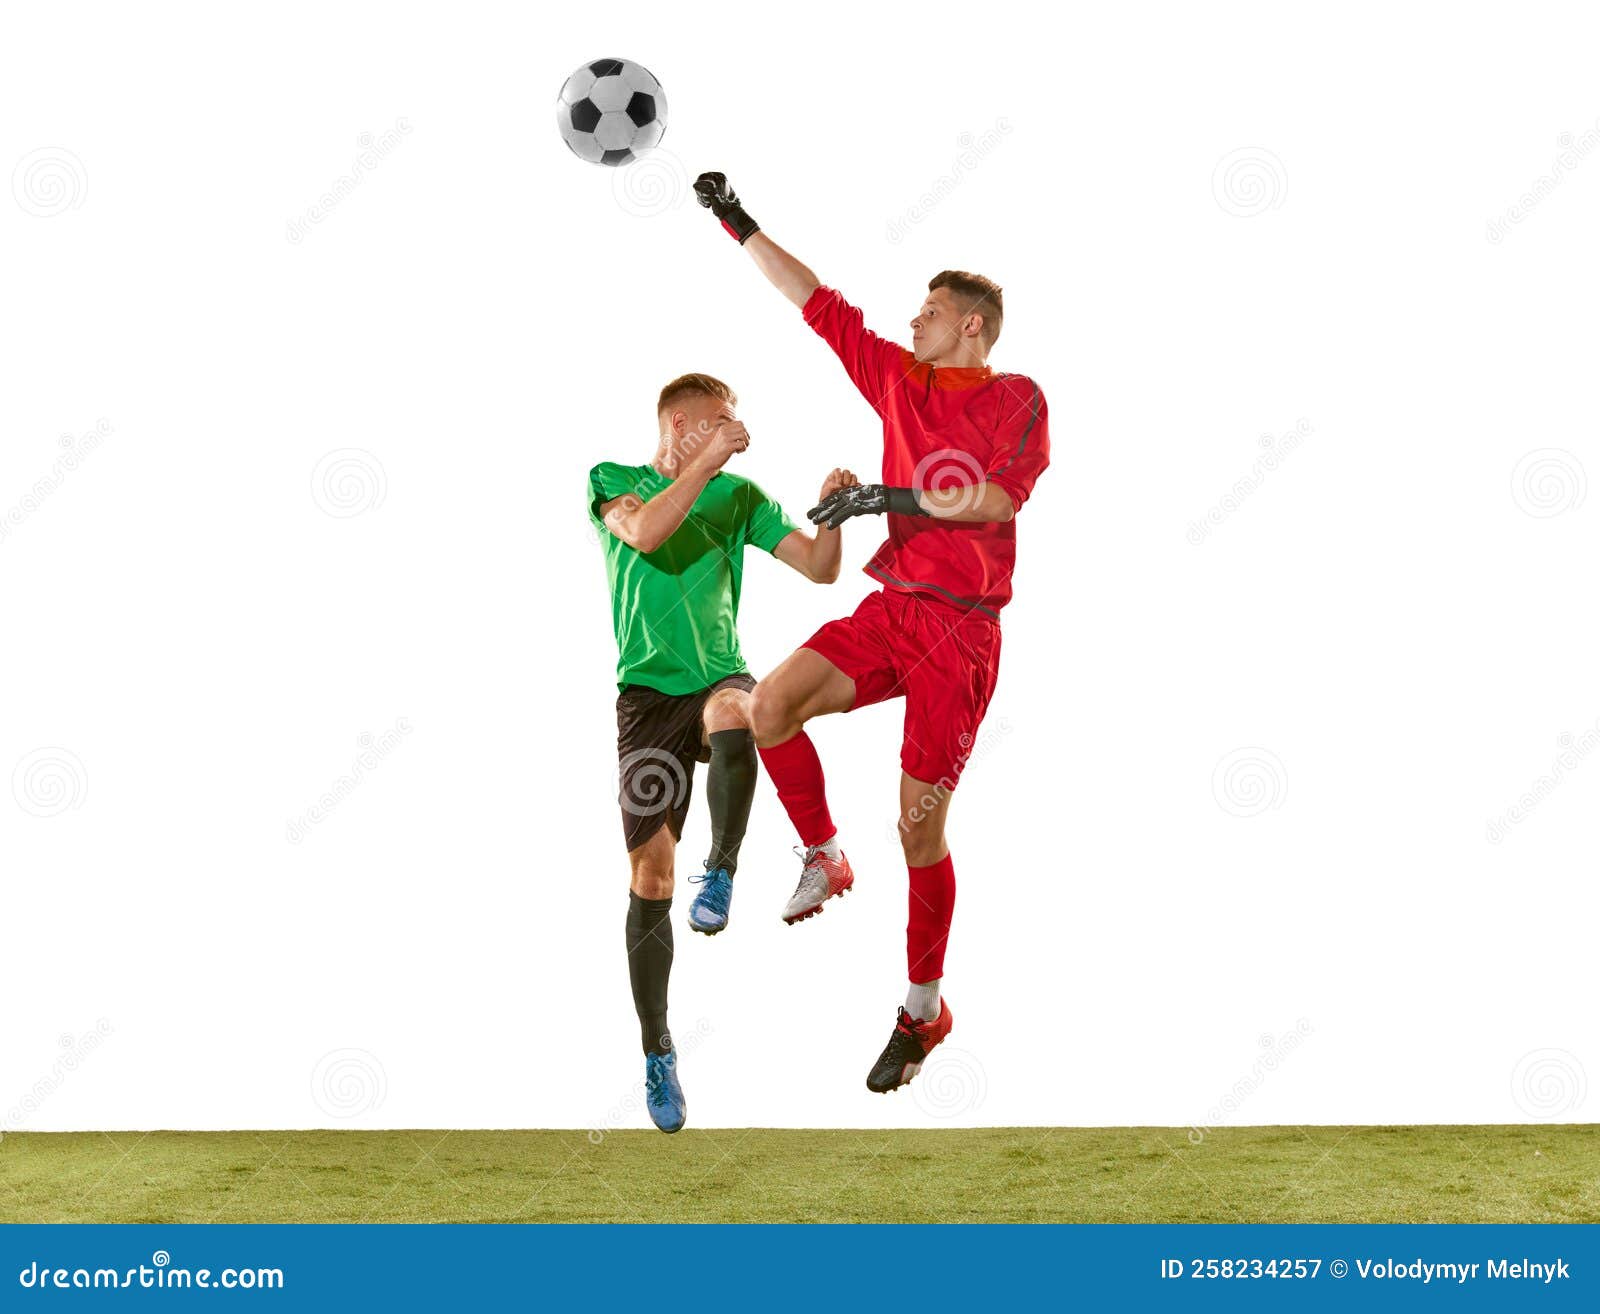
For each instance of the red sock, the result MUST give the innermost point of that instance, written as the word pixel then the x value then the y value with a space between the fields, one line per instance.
pixel 796 771
pixel 933 901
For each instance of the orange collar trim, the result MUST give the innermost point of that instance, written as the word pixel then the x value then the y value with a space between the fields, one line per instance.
pixel 950 377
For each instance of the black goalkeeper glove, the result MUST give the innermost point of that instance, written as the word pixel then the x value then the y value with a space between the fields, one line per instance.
pixel 713 192
pixel 864 500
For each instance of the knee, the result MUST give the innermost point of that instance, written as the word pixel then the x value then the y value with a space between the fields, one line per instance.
pixel 922 850
pixel 771 714
pixel 652 879
pixel 728 710
pixel 921 838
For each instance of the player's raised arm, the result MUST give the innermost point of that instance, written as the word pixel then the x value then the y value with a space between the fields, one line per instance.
pixel 783 271
pixel 646 525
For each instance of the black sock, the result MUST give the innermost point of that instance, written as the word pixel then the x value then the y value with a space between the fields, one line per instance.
pixel 730 789
pixel 649 934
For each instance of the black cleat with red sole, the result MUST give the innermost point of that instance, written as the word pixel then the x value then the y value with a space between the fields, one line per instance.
pixel 911 1043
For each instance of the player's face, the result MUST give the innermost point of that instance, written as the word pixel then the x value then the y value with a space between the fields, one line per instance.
pixel 936 330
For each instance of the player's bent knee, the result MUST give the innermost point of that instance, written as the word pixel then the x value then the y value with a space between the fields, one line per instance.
pixel 771 714
pixel 728 709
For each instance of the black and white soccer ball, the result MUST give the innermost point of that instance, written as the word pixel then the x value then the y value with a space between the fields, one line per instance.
pixel 612 111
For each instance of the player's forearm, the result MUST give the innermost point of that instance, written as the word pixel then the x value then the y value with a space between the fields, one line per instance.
pixel 827 547
pixel 984 504
pixel 650 524
pixel 783 271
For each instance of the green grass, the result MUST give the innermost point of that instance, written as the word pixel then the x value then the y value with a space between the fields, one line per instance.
pixel 1012 1174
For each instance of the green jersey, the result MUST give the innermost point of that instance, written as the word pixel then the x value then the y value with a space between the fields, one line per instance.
pixel 676 610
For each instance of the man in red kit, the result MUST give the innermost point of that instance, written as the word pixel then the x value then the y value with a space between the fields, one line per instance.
pixel 962 447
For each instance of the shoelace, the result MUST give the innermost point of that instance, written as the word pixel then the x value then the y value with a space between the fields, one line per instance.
pixel 809 856
pixel 656 1069
pixel 719 888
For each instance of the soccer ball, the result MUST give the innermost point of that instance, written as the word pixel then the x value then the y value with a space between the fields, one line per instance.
pixel 611 111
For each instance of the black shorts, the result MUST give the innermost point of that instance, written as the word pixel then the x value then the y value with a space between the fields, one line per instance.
pixel 659 739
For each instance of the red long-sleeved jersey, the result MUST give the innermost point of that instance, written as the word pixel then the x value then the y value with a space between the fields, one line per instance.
pixel 942 428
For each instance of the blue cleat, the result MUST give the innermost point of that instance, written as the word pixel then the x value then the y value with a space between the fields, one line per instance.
pixel 708 914
pixel 662 1092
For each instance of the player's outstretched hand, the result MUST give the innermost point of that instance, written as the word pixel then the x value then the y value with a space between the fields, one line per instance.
pixel 713 192
pixel 864 500
pixel 845 503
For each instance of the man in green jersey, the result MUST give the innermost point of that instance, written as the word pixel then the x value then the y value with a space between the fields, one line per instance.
pixel 674 532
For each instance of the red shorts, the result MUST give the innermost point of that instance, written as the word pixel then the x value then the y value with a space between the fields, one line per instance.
pixel 943 660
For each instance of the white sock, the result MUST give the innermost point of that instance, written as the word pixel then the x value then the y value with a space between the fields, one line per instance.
pixel 830 846
pixel 922 1001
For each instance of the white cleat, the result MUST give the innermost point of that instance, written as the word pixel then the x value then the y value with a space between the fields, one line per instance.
pixel 822 878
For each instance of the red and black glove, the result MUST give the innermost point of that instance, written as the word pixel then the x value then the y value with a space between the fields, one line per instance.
pixel 713 192
pixel 864 500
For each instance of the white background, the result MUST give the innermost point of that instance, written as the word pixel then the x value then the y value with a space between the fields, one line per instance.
pixel 1210 228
